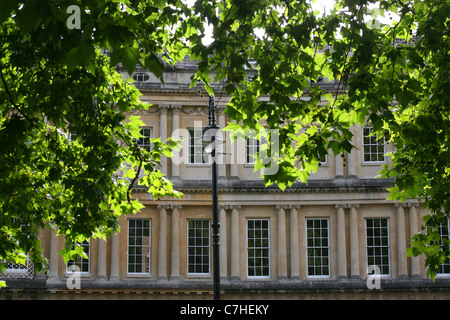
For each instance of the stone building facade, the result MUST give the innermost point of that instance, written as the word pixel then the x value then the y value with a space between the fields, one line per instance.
pixel 337 237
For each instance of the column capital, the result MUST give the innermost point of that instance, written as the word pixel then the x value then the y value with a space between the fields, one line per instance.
pixel 341 206
pixel 353 205
pixel 400 205
pixel 235 207
pixel 176 107
pixel 175 206
pixel 163 206
pixel 282 206
pixel 220 109
pixel 413 204
pixel 292 207
pixel 163 108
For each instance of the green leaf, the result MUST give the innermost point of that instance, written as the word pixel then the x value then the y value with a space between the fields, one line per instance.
pixel 128 56
pixel 155 65
pixel 5 10
pixel 80 55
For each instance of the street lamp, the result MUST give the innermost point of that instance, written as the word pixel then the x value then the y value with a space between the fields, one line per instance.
pixel 215 219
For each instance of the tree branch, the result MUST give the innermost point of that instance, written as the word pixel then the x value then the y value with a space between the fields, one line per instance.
pixel 15 106
pixel 136 176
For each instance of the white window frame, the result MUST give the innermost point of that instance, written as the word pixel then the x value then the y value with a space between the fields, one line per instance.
pixel 380 246
pixel 325 162
pixel 252 145
pixel 146 249
pixel 312 245
pixel 255 247
pixel 196 150
pixel 81 261
pixel 141 77
pixel 72 136
pixel 17 270
pixel 144 142
pixel 446 264
pixel 374 142
pixel 197 250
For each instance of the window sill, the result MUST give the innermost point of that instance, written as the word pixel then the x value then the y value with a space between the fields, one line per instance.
pixel 373 163
pixel 139 275
pixel 316 278
pixel 198 165
pixel 259 278
pixel 81 274
pixel 192 276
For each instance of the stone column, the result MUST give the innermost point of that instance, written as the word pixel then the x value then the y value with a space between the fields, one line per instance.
pixel 221 165
pixel 115 257
pixel 163 133
pixel 413 229
pixel 295 258
pixel 223 241
pixel 175 125
pixel 40 275
pixel 101 267
pixel 234 159
pixel 351 158
pixel 342 253
pixel 235 250
pixel 354 242
pixel 282 249
pixel 339 165
pixel 401 240
pixel 53 267
pixel 162 242
pixel 175 266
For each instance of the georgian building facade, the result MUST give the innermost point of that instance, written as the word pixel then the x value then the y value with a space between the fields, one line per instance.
pixel 337 237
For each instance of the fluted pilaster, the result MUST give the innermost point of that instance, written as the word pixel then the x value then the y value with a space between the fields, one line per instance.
pixel 294 242
pixel 235 250
pixel 354 241
pixel 282 249
pixel 175 246
pixel 162 242
pixel 401 240
pixel 342 251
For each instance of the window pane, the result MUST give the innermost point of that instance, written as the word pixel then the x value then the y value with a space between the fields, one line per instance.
pixel 144 142
pixel 198 246
pixel 317 244
pixel 139 246
pixel 196 150
pixel 80 264
pixel 258 248
pixel 444 267
pixel 373 147
pixel 377 233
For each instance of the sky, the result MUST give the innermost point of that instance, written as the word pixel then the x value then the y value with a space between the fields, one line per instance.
pixel 320 5
pixel 324 6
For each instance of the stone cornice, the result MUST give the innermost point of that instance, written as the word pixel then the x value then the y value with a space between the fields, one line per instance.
pixel 257 186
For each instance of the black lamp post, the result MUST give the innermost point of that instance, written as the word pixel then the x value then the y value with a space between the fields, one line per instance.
pixel 215 219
